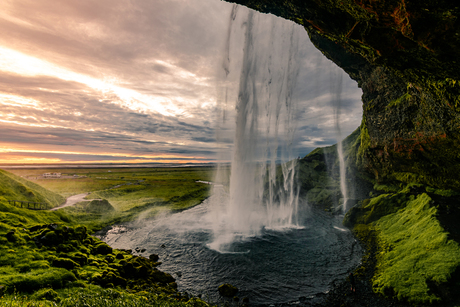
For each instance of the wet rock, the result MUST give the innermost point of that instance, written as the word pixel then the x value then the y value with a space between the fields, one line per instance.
pixel 35 228
pixel 154 257
pixel 162 277
pixel 227 290
pixel 173 285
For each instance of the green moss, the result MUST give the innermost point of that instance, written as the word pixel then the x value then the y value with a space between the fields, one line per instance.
pixel 399 101
pixel 46 294
pixel 365 142
pixel 36 279
pixel 440 192
pixel 98 206
pixel 386 188
pixel 414 249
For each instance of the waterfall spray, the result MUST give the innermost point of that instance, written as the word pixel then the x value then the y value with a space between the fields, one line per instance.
pixel 338 133
pixel 262 192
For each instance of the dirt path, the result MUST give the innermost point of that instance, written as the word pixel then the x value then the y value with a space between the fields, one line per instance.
pixel 72 200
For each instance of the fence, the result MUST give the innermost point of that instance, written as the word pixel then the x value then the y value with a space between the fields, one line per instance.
pixel 29 205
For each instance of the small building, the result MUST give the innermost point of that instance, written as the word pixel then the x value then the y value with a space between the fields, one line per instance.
pixel 52 175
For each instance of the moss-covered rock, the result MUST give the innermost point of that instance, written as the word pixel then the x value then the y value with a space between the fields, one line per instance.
pixel 64 263
pixel 46 294
pixel 102 248
pixel 227 290
pixel 99 206
pixel 403 56
pixel 414 255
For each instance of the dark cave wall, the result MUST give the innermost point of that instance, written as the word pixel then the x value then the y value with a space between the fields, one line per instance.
pixel 403 54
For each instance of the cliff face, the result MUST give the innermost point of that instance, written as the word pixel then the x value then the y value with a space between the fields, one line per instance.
pixel 403 54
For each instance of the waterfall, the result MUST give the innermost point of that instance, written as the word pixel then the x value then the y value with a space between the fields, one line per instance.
pixel 337 102
pixel 261 192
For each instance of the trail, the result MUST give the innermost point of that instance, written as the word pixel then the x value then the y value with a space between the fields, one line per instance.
pixel 72 200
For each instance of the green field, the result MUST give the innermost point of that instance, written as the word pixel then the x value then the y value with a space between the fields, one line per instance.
pixel 133 192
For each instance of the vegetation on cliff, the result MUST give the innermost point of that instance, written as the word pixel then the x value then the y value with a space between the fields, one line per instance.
pixel 415 256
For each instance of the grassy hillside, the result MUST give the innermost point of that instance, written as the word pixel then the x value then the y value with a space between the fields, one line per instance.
pixel 13 187
pixel 48 259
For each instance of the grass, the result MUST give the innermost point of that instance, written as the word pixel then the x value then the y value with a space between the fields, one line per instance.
pixel 13 187
pixel 93 296
pixel 133 192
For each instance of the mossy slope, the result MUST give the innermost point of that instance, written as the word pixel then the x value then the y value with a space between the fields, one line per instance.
pixel 415 255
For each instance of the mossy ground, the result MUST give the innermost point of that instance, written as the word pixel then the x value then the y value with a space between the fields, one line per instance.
pixel 61 256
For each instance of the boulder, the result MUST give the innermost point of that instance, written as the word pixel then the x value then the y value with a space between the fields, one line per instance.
pixel 154 257
pixel 102 249
pixel 227 290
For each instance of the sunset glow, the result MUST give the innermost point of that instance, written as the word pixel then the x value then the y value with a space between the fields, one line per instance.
pixel 83 82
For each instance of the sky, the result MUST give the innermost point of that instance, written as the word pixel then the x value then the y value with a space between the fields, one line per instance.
pixel 140 81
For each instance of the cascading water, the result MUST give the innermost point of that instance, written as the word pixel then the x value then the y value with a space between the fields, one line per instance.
pixel 206 246
pixel 337 102
pixel 261 191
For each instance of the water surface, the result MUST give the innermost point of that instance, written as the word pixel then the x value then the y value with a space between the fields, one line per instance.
pixel 277 266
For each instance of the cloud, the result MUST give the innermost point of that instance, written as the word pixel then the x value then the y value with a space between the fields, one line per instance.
pixel 130 80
